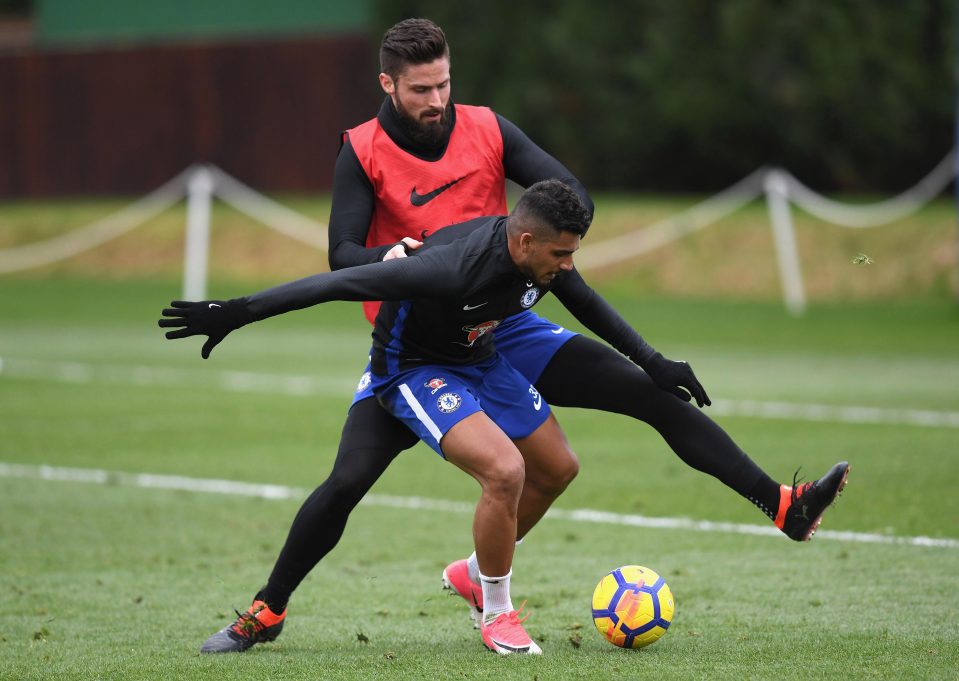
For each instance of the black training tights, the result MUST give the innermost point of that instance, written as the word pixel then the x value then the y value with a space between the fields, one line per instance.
pixel 583 373
pixel 612 383
pixel 371 439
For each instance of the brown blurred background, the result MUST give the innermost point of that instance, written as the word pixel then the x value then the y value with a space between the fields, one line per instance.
pixel 115 97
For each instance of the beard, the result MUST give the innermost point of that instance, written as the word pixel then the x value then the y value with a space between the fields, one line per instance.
pixel 431 135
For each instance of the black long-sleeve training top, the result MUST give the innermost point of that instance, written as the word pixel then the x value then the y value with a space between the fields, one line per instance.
pixel 443 300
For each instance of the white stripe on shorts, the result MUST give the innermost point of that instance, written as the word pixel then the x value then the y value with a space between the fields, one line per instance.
pixel 420 412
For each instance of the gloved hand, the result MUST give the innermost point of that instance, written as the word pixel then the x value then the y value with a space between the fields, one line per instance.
pixel 212 318
pixel 674 376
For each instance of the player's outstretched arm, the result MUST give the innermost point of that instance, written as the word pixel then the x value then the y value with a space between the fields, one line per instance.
pixel 592 310
pixel 212 318
pixel 400 279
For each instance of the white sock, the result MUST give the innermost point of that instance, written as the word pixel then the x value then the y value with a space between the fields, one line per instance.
pixel 472 565
pixel 496 598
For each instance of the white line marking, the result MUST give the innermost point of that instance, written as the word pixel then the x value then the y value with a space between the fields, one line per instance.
pixel 834 412
pixel 250 489
pixel 153 376
pixel 298 385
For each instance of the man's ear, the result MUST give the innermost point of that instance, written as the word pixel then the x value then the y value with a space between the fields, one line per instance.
pixel 389 87
pixel 526 242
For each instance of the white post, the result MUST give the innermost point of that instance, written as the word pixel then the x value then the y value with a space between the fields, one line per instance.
pixel 784 236
pixel 199 195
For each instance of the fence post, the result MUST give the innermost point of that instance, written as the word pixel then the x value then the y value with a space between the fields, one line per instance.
pixel 199 196
pixel 784 236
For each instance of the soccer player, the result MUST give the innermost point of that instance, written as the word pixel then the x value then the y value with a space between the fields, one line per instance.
pixel 423 163
pixel 431 338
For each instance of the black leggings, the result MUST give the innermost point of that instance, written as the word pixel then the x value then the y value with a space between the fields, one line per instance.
pixel 612 383
pixel 583 373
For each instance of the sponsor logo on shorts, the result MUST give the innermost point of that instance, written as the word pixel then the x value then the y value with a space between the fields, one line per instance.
pixel 537 398
pixel 477 331
pixel 558 330
pixel 435 384
pixel 530 297
pixel 448 402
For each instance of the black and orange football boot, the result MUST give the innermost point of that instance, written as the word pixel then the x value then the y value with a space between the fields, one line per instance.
pixel 802 505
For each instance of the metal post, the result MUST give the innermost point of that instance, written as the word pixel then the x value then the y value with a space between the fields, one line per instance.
pixel 199 195
pixel 784 236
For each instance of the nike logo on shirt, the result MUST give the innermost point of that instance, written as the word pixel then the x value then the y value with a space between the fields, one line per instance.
pixel 423 199
pixel 473 307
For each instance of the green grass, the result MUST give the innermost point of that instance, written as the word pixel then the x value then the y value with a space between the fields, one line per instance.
pixel 110 581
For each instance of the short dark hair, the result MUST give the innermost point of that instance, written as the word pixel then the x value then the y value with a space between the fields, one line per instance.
pixel 556 204
pixel 411 42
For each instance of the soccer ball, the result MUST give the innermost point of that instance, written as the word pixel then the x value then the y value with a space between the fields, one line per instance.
pixel 632 606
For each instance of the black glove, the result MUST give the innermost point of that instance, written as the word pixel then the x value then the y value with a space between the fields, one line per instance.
pixel 212 318
pixel 673 376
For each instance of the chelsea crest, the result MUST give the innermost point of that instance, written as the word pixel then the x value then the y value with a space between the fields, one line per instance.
pixel 529 298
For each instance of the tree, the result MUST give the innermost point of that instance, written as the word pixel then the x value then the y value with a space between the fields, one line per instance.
pixel 646 95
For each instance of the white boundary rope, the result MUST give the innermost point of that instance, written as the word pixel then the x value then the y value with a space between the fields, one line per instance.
pixel 199 183
pixel 780 188
pixel 645 239
pixel 195 180
pixel 274 215
pixel 876 214
pixel 106 229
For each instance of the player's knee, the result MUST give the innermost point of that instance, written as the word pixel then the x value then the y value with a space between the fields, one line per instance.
pixel 345 488
pixel 570 468
pixel 505 477
pixel 562 471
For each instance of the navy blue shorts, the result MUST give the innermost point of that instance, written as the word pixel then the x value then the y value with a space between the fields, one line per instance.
pixel 526 340
pixel 432 399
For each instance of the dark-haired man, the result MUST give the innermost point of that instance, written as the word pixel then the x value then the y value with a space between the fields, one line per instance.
pixel 487 419
pixel 421 164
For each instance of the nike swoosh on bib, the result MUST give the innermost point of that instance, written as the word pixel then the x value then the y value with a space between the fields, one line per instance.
pixel 423 199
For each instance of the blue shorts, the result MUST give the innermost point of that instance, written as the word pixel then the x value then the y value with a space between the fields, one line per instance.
pixel 526 340
pixel 432 399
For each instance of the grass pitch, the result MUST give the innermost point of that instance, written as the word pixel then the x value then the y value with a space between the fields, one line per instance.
pixel 113 581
